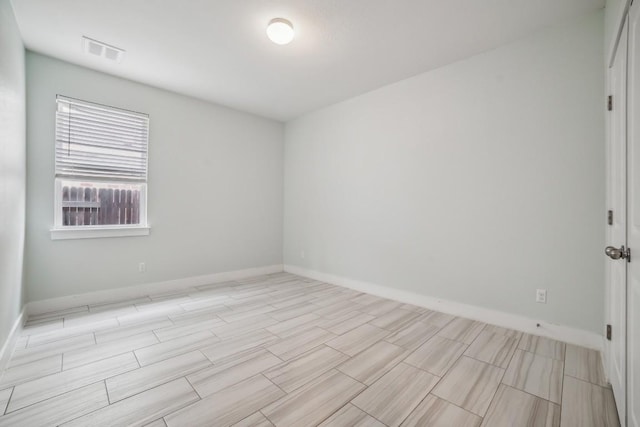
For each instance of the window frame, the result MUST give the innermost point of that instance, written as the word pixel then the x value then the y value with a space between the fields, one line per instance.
pixel 61 232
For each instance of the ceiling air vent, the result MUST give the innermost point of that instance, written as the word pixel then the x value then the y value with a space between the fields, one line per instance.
pixel 98 48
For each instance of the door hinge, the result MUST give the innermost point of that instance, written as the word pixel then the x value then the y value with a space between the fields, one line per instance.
pixel 610 217
pixel 610 103
pixel 609 332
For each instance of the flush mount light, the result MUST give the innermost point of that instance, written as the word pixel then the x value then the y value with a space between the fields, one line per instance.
pixel 280 31
pixel 98 48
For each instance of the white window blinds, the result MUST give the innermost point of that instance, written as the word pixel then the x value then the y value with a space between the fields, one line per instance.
pixel 99 142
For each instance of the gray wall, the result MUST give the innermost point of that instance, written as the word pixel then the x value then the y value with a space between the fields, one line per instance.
pixel 12 169
pixel 477 182
pixel 214 197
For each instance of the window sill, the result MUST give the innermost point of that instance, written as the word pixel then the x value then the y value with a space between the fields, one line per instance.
pixel 97 232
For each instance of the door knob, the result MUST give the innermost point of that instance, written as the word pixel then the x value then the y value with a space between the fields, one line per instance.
pixel 615 253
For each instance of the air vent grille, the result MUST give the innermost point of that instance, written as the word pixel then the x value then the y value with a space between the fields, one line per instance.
pixel 98 48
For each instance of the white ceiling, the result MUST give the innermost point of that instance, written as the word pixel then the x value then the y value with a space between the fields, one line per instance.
pixel 217 50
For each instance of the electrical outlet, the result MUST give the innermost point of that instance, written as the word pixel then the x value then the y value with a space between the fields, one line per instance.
pixel 541 296
pixel 142 267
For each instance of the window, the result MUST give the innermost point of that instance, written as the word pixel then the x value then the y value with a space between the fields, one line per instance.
pixel 101 170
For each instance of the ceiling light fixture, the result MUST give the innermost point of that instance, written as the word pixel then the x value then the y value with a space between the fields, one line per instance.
pixel 280 31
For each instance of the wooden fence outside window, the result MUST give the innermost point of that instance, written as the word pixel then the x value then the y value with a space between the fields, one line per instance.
pixel 99 206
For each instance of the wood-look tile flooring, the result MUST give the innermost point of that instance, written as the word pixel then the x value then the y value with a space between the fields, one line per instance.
pixel 288 351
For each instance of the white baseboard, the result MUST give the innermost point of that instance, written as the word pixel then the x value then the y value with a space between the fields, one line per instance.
pixel 499 318
pixel 137 291
pixel 10 342
pixel 508 320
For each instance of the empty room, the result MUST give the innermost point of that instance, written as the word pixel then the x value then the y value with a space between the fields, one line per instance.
pixel 320 213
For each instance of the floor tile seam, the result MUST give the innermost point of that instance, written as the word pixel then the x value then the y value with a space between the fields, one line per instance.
pixel 106 392
pixel 214 316
pixel 157 337
pixel 244 319
pixel 364 349
pixel 306 353
pixel 477 335
pixel 28 323
pixel 378 379
pixel 230 307
pixel 440 378
pixel 133 395
pixel 61 362
pixel 265 372
pixel 91 331
pixel 564 359
pixel 100 319
pixel 103 379
pixel 250 415
pixel 480 361
pixel 263 295
pixel 25 333
pixel 519 333
pixel 562 374
pixel 295 357
pixel 295 327
pixel 7 413
pixel 8 401
pixel 302 332
pixel 341 352
pixel 495 392
pixel 531 394
pixel 562 367
pixel 404 360
pixel 182 336
pixel 426 322
pixel 74 334
pixel 265 377
pixel 264 415
pixel 453 339
pixel 177 338
pixel 112 355
pixel 33 361
pixel 451 403
pixel 423 399
pixel 542 355
pixel 347 375
pixel 453 317
pixel 606 387
pixel 406 348
pixel 488 363
pixel 241 336
pixel 31 316
pixel 129 336
pixel 362 409
pixel 281 360
pixel 142 321
pixel 200 397
pixel 164 382
pixel 535 348
pixel 110 303
pixel 392 331
pixel 365 387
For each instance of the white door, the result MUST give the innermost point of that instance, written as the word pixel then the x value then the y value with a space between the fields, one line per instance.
pixel 616 270
pixel 633 218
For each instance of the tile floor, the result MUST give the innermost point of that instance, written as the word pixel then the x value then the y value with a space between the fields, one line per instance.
pixel 288 351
